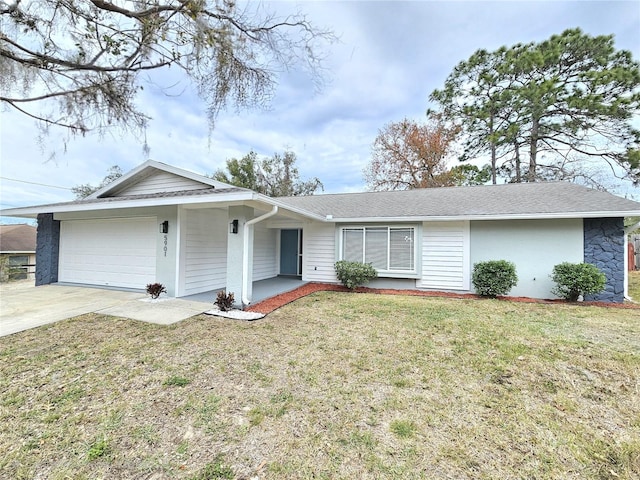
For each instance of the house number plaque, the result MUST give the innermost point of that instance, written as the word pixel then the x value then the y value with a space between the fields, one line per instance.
pixel 165 244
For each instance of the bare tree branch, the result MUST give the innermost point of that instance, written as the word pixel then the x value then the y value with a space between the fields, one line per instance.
pixel 80 61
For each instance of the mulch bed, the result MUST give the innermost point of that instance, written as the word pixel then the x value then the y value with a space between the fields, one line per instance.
pixel 270 304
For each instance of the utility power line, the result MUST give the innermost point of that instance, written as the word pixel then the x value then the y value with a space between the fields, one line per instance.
pixel 35 183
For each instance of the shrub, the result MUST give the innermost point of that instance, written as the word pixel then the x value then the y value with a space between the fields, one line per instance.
pixel 156 289
pixel 354 274
pixel 224 301
pixel 494 277
pixel 575 279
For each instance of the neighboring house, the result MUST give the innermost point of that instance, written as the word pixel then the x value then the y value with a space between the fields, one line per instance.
pixel 162 224
pixel 17 252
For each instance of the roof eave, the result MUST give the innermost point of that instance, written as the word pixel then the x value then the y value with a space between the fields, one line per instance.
pixel 32 212
pixel 286 206
pixel 247 195
pixel 449 218
pixel 20 212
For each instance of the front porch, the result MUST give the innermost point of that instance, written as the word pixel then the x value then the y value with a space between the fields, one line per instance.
pixel 262 289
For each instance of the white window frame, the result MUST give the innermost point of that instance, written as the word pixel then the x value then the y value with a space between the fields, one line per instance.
pixel 395 273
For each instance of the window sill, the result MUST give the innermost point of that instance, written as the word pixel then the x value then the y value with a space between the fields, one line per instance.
pixel 410 275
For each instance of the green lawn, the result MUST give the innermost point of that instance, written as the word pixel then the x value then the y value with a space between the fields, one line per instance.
pixel 335 386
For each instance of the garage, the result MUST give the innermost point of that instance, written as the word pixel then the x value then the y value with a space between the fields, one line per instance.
pixel 118 252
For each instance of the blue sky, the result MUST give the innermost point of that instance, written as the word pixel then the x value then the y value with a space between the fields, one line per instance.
pixel 391 55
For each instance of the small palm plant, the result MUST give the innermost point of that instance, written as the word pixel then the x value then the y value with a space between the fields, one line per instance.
pixel 224 301
pixel 156 289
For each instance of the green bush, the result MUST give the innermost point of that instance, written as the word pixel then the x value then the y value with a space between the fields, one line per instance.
pixel 575 279
pixel 494 277
pixel 354 274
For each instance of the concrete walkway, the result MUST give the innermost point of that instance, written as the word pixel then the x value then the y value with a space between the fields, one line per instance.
pixel 23 306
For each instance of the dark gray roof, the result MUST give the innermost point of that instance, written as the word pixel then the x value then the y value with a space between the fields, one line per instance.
pixel 524 199
pixel 17 238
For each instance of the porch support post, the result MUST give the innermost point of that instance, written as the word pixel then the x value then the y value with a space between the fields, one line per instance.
pixel 247 265
pixel 235 251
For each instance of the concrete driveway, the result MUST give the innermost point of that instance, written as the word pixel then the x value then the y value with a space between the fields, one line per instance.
pixel 23 306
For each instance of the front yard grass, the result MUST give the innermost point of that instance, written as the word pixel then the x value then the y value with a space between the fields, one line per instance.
pixel 335 386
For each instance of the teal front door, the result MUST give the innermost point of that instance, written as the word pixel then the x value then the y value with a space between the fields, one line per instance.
pixel 291 252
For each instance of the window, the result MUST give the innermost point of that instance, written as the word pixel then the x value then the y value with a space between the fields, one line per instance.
pixel 18 267
pixel 388 249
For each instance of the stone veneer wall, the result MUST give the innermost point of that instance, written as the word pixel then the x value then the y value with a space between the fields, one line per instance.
pixel 604 248
pixel 47 249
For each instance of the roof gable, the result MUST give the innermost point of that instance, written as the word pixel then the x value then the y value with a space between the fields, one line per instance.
pixel 157 181
pixel 154 177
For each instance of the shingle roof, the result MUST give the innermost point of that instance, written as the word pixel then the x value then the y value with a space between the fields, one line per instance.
pixel 17 238
pixel 524 200
pixel 552 198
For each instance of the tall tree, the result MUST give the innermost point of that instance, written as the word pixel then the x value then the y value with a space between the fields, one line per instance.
pixel 407 155
pixel 473 99
pixel 466 174
pixel 280 178
pixel 569 99
pixel 84 190
pixel 276 176
pixel 241 173
pixel 79 65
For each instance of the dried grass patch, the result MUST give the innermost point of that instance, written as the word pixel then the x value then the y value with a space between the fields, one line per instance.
pixel 334 385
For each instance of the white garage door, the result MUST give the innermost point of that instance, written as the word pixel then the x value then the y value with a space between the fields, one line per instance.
pixel 115 252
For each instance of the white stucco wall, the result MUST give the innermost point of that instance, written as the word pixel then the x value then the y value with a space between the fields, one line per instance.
pixel 535 246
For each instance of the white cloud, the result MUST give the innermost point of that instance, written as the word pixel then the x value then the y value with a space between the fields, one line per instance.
pixel 391 56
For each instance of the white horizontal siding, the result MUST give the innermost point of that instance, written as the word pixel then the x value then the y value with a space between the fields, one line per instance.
pixel 205 260
pixel 264 252
pixel 445 256
pixel 319 253
pixel 160 182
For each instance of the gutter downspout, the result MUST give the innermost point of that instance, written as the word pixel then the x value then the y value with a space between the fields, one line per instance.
pixel 245 251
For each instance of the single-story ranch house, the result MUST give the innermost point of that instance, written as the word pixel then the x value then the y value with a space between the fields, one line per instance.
pixel 18 250
pixel 193 234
